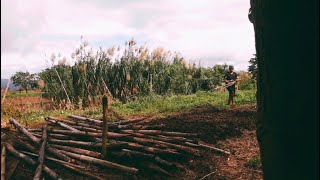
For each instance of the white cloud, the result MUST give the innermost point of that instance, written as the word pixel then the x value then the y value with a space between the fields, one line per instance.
pixel 210 30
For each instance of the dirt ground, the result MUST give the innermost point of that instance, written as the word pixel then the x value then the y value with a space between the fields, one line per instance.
pixel 232 130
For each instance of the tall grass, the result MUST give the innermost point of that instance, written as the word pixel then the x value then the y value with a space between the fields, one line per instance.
pixel 127 74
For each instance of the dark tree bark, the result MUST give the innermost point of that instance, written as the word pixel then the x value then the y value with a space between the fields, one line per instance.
pixel 287 41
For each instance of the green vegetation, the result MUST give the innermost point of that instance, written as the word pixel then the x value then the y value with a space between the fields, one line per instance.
pixel 254 163
pixel 151 105
pixel 168 104
pixel 31 93
pixel 125 75
pixel 25 80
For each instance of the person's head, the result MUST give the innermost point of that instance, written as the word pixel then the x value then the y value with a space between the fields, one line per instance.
pixel 231 68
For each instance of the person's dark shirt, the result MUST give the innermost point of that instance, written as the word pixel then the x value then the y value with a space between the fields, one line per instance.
pixel 230 76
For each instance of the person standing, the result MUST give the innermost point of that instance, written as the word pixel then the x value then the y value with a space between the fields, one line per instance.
pixel 231 79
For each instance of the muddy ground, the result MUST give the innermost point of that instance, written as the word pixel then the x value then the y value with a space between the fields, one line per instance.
pixel 232 130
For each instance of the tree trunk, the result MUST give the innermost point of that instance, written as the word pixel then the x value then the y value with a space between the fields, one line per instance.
pixel 286 36
pixel 3 163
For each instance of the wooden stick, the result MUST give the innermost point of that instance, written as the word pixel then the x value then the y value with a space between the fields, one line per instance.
pixel 76 123
pixel 78 150
pixel 102 162
pixel 159 132
pixel 86 119
pixel 53 159
pixel 104 127
pixel 182 139
pixel 72 129
pixel 3 163
pixel 153 150
pixel 175 146
pixel 5 92
pixel 130 121
pixel 163 138
pixel 88 134
pixel 208 146
pixel 41 153
pixel 156 168
pixel 85 144
pixel 62 124
pixel 56 136
pixel 12 167
pixel 31 161
pixel 37 140
pixel 83 128
pixel 208 175
pixel 73 167
pixel 24 131
pixel 147 156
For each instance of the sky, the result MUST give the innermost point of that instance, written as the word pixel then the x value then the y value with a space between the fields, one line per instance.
pixel 206 31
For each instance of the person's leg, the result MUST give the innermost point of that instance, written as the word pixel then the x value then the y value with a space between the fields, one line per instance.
pixel 232 91
pixel 230 96
pixel 233 95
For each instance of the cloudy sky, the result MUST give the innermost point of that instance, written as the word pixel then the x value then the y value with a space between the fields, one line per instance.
pixel 209 31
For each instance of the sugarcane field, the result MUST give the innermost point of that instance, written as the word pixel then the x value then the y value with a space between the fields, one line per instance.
pixel 159 90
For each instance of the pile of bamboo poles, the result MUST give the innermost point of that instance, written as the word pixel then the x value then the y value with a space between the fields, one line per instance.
pixel 78 141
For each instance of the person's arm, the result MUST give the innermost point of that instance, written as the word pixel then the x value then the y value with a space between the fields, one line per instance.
pixel 225 79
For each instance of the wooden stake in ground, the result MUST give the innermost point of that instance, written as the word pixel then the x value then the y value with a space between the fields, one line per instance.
pixel 41 153
pixel 3 163
pixel 104 127
pixel 5 92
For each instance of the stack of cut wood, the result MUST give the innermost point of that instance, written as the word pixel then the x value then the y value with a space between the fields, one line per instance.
pixel 77 141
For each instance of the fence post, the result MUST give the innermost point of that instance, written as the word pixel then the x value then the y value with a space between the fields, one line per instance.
pixel 105 127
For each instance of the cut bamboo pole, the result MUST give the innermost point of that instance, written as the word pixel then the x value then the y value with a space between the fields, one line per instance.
pixel 76 123
pixel 157 151
pixel 159 132
pixel 84 133
pixel 3 163
pixel 12 167
pixel 175 146
pixel 105 163
pixel 78 150
pixel 53 159
pixel 30 161
pixel 95 121
pixel 37 140
pixel 156 168
pixel 57 136
pixel 41 153
pixel 130 121
pixel 61 124
pixel 162 138
pixel 6 91
pixel 85 144
pixel 83 128
pixel 142 155
pixel 24 131
pixel 208 146
pixel 73 167
pixel 104 127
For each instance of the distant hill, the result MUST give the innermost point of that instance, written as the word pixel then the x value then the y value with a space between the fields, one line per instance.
pixel 11 86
